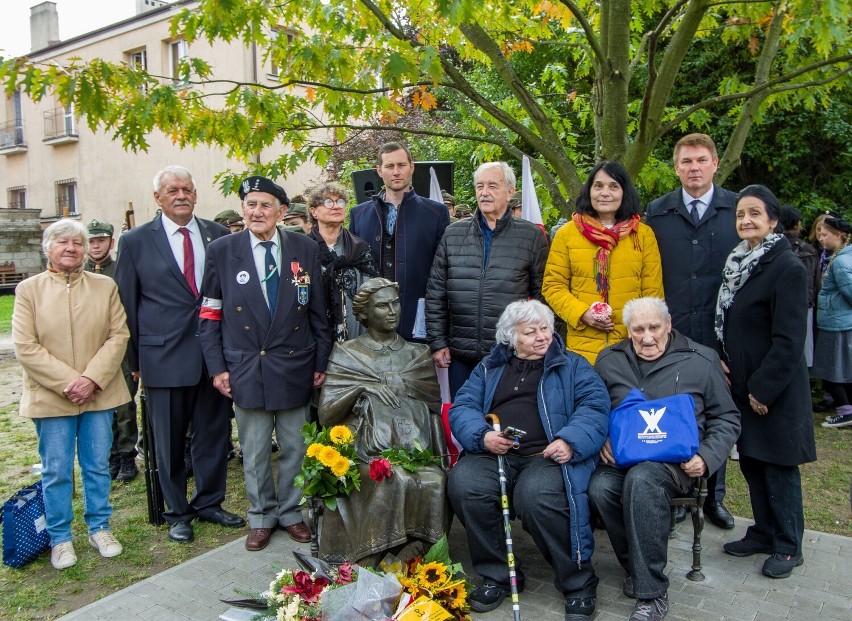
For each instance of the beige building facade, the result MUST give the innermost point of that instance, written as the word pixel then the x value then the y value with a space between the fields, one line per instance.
pixel 51 161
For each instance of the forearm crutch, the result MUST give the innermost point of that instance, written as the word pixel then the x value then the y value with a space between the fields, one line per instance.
pixel 507 523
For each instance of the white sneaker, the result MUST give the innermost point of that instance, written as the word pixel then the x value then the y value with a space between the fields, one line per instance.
pixel 62 555
pixel 106 543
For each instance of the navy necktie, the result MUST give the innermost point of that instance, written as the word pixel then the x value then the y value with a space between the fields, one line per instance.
pixel 693 211
pixel 272 277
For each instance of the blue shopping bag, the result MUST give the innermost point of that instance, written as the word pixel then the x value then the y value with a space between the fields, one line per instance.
pixel 662 430
pixel 24 526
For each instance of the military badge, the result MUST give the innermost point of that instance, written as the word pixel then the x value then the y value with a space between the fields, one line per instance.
pixel 302 281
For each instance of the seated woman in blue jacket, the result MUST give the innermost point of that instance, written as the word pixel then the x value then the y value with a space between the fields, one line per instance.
pixel 531 383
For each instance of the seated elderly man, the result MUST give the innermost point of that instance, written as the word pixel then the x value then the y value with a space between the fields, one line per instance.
pixel 634 503
pixel 531 383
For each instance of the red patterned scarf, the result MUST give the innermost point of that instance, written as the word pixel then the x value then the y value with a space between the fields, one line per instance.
pixel 607 239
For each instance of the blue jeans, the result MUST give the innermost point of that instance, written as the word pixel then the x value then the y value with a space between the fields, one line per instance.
pixel 91 433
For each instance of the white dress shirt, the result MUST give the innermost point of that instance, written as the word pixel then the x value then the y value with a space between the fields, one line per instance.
pixel 175 238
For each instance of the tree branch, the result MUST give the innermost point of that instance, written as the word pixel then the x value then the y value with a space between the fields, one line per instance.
pixel 765 86
pixel 592 37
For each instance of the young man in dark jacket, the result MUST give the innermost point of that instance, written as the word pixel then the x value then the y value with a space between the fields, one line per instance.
pixel 482 265
pixel 694 227
pixel 403 230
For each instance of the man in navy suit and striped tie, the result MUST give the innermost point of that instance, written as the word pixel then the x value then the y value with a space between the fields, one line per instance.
pixel 266 342
pixel 158 272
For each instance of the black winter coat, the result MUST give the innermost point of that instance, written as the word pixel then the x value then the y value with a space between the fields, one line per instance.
pixel 764 345
pixel 693 258
pixel 465 297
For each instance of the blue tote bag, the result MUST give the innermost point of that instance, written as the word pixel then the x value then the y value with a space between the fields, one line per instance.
pixel 24 526
pixel 662 430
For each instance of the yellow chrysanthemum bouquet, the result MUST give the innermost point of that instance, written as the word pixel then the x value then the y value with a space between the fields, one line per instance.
pixel 330 468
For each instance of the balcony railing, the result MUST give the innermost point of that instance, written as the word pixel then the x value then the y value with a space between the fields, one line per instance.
pixel 60 126
pixel 12 137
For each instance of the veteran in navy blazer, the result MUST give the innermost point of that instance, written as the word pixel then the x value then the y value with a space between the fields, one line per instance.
pixel 266 342
pixel 158 272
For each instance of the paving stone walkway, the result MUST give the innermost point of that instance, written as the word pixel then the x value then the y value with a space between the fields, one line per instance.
pixel 734 588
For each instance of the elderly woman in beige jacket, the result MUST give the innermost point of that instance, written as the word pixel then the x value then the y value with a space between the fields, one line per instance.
pixel 70 335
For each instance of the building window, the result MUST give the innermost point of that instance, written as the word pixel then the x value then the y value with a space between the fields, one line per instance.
pixel 178 51
pixel 274 35
pixel 17 197
pixel 66 198
pixel 60 122
pixel 12 131
pixel 138 59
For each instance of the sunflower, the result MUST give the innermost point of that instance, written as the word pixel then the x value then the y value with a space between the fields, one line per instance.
pixel 314 449
pixel 340 435
pixel 432 575
pixel 455 595
pixel 339 466
pixel 327 455
pixel 409 584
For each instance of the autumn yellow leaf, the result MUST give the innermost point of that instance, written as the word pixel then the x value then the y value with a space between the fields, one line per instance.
pixel 310 93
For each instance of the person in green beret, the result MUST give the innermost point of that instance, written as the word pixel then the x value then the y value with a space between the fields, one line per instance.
pixel 230 219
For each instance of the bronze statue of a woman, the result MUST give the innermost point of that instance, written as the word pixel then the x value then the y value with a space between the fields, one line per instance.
pixel 381 387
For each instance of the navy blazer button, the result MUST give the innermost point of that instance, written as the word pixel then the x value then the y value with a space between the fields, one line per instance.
pixel 296 328
pixel 246 328
pixel 262 352
pixel 290 353
pixel 239 309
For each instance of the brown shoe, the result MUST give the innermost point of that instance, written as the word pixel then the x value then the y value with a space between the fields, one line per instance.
pixel 258 538
pixel 299 532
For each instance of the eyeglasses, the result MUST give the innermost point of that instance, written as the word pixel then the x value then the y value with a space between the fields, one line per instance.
pixel 340 202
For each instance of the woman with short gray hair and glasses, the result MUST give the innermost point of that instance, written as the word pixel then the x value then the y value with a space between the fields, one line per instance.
pixel 347 261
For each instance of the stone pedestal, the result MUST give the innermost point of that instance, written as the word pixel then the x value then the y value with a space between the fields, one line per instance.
pixel 20 240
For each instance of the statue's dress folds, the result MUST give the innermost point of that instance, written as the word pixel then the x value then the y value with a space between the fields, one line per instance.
pixel 405 505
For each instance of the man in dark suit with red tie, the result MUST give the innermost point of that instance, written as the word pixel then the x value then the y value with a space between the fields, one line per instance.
pixel 266 342
pixel 159 270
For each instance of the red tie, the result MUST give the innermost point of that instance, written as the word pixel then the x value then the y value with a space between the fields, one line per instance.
pixel 188 261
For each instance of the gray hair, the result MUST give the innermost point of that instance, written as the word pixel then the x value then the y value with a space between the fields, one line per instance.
pixel 516 313
pixel 656 305
pixel 62 228
pixel 508 173
pixel 179 172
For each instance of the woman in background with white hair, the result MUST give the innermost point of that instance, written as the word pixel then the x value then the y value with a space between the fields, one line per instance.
pixel 531 383
pixel 70 334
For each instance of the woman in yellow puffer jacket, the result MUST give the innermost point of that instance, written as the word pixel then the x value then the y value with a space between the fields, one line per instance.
pixel 605 254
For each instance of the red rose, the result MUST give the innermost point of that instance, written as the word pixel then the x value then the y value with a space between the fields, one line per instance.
pixel 380 469
pixel 306 587
pixel 344 573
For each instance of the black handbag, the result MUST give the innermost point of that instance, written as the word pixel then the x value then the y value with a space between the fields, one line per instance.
pixel 24 526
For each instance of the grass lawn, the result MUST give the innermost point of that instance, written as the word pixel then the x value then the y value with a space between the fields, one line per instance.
pixel 7 301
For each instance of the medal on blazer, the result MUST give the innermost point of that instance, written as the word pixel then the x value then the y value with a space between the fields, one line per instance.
pixel 302 281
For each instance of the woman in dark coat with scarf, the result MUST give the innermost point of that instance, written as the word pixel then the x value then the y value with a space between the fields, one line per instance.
pixel 346 259
pixel 761 321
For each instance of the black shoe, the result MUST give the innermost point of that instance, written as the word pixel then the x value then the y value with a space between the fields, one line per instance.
pixel 181 532
pixel 781 565
pixel 128 470
pixel 114 466
pixel 225 518
pixel 718 514
pixel 679 514
pixel 744 547
pixel 487 597
pixel 579 609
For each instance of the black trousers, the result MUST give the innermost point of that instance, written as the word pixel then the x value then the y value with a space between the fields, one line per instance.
pixel 171 411
pixel 537 496
pixel 776 501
